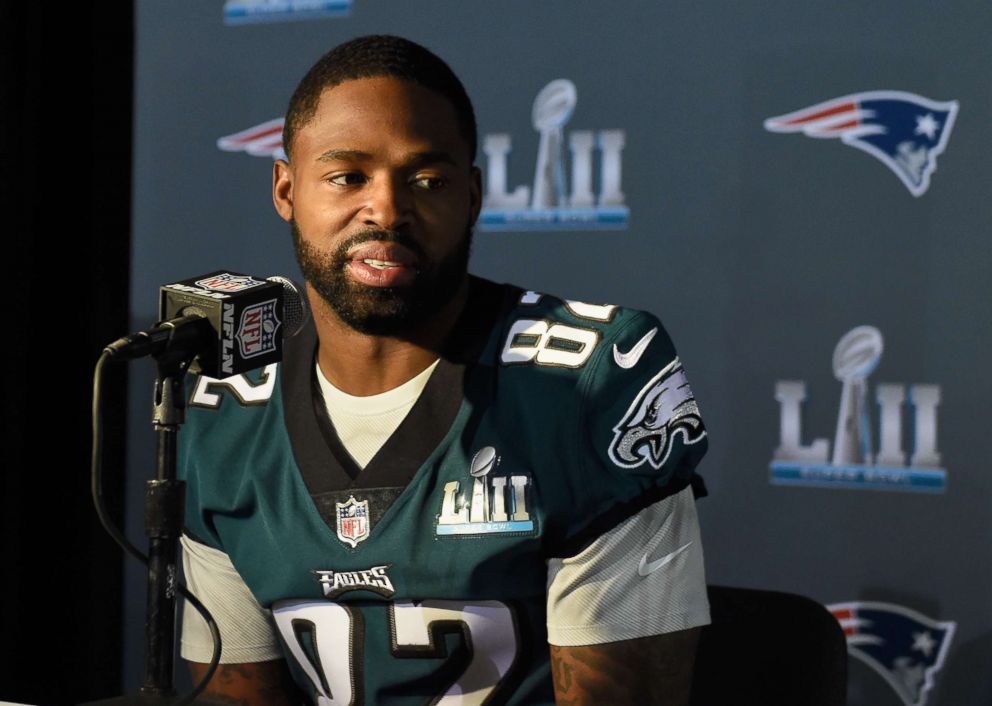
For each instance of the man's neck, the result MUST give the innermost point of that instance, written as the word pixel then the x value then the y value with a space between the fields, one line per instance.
pixel 362 364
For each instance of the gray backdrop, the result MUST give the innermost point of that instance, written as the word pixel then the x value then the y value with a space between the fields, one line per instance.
pixel 759 250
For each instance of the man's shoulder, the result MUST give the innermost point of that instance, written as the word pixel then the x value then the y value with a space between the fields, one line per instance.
pixel 556 303
pixel 582 367
pixel 546 330
pixel 600 388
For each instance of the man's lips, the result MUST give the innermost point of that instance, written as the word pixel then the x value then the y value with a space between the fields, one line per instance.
pixel 382 264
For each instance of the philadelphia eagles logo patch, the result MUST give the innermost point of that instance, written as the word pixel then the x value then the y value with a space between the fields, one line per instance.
pixel 663 408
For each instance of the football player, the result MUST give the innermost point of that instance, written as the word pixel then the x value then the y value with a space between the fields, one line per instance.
pixel 450 491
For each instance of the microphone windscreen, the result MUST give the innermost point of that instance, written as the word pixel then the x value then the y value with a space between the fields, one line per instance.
pixel 295 309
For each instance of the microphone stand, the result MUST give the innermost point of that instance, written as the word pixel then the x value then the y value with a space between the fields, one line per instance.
pixel 165 499
pixel 174 343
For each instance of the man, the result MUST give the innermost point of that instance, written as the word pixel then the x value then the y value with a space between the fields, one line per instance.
pixel 444 475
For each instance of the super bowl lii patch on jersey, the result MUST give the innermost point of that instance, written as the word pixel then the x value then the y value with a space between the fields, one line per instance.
pixel 486 503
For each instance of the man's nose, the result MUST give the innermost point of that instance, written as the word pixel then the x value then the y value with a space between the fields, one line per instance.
pixel 390 203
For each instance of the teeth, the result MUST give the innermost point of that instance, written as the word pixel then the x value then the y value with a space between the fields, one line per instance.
pixel 380 264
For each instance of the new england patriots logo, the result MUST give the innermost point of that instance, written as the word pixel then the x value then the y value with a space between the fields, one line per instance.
pixel 904 131
pixel 262 140
pixel 663 408
pixel 905 647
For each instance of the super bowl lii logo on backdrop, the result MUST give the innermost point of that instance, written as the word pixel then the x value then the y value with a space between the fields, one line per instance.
pixel 854 461
pixel 559 198
pixel 239 12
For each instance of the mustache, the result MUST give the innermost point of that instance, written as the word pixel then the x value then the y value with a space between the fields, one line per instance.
pixel 382 235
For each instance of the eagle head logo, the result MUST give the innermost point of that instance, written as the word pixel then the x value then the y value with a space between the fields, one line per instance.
pixel 663 408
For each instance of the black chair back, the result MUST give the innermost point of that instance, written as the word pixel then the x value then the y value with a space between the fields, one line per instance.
pixel 767 648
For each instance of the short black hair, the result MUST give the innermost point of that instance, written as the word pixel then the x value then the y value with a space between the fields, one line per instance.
pixel 370 57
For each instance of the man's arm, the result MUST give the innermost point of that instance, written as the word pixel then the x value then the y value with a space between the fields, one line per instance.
pixel 248 684
pixel 655 670
pixel 254 672
pixel 625 613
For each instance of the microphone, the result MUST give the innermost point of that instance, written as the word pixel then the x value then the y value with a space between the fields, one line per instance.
pixel 230 322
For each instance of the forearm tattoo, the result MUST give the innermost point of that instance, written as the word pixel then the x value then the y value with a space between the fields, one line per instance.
pixel 652 670
pixel 249 684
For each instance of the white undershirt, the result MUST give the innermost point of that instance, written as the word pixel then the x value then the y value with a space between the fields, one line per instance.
pixel 363 424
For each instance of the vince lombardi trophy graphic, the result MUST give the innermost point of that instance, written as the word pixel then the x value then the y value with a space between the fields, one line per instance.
pixel 855 357
pixel 552 109
pixel 483 462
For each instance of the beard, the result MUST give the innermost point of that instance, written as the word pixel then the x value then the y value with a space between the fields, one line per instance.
pixel 383 311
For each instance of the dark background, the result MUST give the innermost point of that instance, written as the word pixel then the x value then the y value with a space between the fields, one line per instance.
pixel 66 189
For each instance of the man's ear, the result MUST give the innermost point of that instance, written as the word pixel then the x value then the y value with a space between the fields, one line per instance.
pixel 476 193
pixel 282 189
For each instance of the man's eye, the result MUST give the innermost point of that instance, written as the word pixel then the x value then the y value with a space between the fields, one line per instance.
pixel 430 183
pixel 346 179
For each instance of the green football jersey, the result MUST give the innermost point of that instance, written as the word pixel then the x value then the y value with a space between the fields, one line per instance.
pixel 422 578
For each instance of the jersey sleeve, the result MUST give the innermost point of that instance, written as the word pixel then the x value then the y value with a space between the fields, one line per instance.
pixel 629 562
pixel 638 431
pixel 643 577
pixel 246 629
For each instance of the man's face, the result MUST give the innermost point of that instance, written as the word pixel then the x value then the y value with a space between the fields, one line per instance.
pixel 382 197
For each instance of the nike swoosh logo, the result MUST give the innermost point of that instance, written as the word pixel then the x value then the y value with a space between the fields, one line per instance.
pixel 649 567
pixel 630 358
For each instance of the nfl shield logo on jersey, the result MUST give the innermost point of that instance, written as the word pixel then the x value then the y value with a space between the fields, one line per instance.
pixel 353 521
